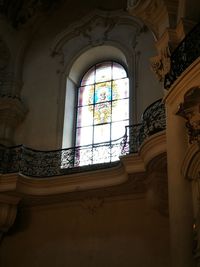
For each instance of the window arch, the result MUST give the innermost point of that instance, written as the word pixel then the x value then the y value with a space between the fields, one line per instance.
pixel 102 110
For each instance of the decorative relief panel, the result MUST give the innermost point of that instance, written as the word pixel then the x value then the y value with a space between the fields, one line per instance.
pixel 96 29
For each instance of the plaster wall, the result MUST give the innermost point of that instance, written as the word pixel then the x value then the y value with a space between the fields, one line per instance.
pixel 44 80
pixel 121 232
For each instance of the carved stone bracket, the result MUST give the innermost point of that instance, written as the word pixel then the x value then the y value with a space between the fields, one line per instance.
pixel 12 112
pixel 161 64
pixel 190 111
pixel 8 211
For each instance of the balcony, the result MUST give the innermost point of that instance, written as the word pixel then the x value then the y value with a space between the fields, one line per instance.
pixel 183 56
pixel 34 163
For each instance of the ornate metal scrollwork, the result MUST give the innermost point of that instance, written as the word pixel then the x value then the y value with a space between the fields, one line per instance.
pixel 90 157
pixel 183 56
pixel 153 121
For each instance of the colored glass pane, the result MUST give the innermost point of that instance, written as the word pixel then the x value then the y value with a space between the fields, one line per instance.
pixel 84 136
pixel 103 92
pixel 85 116
pixel 101 133
pixel 88 77
pixel 102 112
pixel 118 71
pixel 85 95
pixel 103 72
pixel 120 110
pixel 121 89
pixel 118 129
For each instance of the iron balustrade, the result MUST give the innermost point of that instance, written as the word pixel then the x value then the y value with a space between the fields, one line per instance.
pixel 183 56
pixel 30 162
pixel 153 121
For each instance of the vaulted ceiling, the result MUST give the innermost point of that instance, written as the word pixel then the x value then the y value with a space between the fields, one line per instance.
pixel 19 12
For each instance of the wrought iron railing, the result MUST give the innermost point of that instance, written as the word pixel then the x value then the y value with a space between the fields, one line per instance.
pixel 153 121
pixel 90 157
pixel 37 163
pixel 183 56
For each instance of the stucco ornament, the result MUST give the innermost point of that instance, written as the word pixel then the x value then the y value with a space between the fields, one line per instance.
pixel 190 110
pixel 161 64
pixel 133 3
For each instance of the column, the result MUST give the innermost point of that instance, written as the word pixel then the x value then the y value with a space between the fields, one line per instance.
pixel 180 195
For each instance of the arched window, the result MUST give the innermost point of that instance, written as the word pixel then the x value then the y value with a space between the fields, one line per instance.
pixel 102 111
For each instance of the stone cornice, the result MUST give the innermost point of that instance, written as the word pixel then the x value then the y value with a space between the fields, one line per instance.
pixel 130 169
pixel 153 146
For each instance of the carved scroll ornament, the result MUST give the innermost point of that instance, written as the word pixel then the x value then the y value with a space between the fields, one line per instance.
pixel 190 110
pixel 161 64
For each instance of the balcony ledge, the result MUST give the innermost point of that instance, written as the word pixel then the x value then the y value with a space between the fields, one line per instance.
pixel 134 164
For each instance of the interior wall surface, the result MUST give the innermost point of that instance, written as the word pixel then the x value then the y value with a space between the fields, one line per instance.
pixel 44 79
pixel 119 232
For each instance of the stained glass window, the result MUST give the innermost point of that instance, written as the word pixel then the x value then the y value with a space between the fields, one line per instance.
pixel 102 109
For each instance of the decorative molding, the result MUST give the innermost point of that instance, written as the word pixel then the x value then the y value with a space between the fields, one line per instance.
pixel 150 12
pixel 161 64
pixel 133 3
pixel 189 78
pixel 154 13
pixel 128 178
pixel 190 111
pixel 95 27
pixel 153 146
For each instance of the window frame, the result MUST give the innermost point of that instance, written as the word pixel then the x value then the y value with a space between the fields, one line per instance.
pixel 76 105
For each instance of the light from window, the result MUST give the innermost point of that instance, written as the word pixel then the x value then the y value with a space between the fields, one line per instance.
pixel 102 111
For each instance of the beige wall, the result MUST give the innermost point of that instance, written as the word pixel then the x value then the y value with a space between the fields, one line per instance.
pixel 120 233
pixel 44 79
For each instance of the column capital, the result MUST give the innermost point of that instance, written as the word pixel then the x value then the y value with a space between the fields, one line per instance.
pixel 189 109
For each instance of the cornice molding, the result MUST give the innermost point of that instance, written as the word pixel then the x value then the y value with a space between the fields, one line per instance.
pixel 188 79
pixel 153 146
pixel 154 13
pixel 88 25
pixel 126 178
